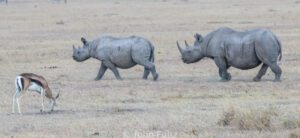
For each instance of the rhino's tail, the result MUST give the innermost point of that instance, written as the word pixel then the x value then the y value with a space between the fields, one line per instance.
pixel 280 49
pixel 152 53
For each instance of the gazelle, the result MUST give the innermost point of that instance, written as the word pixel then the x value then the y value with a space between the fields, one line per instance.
pixel 32 82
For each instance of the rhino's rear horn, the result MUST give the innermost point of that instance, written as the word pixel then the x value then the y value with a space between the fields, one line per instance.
pixel 83 40
pixel 186 44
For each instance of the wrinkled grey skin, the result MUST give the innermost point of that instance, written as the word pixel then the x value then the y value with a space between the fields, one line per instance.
pixel 242 50
pixel 116 53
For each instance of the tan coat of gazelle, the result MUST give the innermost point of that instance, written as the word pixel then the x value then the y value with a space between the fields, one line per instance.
pixel 32 82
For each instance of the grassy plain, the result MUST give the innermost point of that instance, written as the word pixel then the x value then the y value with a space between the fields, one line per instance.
pixel 187 100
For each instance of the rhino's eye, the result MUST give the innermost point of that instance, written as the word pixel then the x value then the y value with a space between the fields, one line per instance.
pixel 78 52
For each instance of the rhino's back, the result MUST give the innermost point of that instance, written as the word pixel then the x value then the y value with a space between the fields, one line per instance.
pixel 109 41
pixel 121 49
pixel 239 47
pixel 253 47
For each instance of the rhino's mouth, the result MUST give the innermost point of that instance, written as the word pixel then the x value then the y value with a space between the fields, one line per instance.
pixel 184 60
pixel 76 59
pixel 187 61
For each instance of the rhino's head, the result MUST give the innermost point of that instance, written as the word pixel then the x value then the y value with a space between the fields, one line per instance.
pixel 193 53
pixel 82 54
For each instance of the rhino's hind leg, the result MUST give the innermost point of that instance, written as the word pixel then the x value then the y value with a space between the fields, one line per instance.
pixel 277 70
pixel 272 64
pixel 267 51
pixel 261 72
pixel 146 73
pixel 151 67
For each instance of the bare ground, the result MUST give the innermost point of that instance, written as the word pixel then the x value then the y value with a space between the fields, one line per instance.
pixel 186 101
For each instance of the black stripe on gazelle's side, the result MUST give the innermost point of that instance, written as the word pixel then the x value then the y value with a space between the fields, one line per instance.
pixel 19 84
pixel 37 82
pixel 22 83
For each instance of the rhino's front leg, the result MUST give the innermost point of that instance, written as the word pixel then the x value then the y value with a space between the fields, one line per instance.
pixel 222 65
pixel 113 68
pixel 220 72
pixel 101 72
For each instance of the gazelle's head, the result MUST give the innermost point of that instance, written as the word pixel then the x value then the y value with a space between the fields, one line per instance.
pixel 53 101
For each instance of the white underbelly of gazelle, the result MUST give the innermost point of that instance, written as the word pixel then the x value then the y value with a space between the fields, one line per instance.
pixel 35 87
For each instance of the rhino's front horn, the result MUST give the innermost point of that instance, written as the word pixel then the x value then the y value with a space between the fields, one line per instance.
pixel 179 48
pixel 74 47
pixel 186 44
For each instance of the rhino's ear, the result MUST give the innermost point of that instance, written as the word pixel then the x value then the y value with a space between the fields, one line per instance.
pixel 198 37
pixel 83 40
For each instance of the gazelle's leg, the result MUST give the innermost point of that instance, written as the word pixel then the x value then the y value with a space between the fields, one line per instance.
pixel 14 101
pixel 18 103
pixel 16 96
pixel 42 97
pixel 52 105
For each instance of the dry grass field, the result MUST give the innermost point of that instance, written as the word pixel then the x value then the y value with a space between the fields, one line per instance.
pixel 187 101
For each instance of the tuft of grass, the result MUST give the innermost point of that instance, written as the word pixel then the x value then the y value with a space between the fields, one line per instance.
pixel 194 132
pixel 227 117
pixel 295 134
pixel 248 119
pixel 255 119
pixel 291 123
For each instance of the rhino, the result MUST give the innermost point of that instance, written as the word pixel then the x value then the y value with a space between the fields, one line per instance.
pixel 242 50
pixel 114 53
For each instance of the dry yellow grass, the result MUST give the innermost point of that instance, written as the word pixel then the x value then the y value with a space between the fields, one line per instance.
pixel 295 134
pixel 249 119
pixel 187 101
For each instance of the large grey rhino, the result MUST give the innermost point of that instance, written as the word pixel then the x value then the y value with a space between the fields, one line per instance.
pixel 118 53
pixel 242 50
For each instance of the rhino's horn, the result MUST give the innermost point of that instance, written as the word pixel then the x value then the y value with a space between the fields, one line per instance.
pixel 186 44
pixel 74 47
pixel 179 48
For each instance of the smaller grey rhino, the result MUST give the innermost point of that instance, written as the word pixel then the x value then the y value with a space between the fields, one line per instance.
pixel 242 50
pixel 116 53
